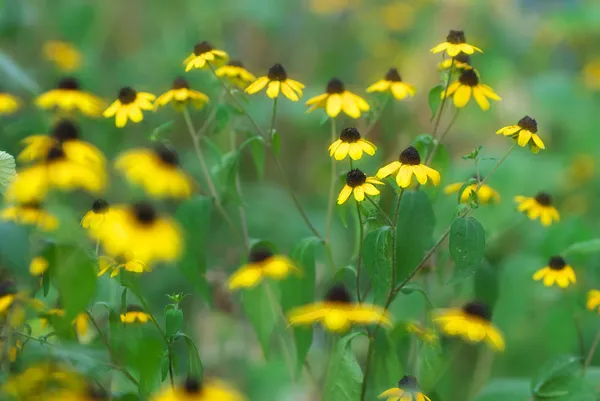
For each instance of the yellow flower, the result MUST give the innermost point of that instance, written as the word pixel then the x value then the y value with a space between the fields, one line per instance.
pixel 68 97
pixel 538 207
pixel 34 383
pixel 135 314
pixel 80 322
pixel 129 105
pixel 139 230
pixel 157 171
pixel 181 94
pixel 393 82
pixel 261 264
pixel 461 62
pixel 66 57
pixel 593 300
pixel 358 183
pixel 425 334
pixel 30 214
pixel 38 266
pixel 13 350
pixel 8 294
pixel 556 271
pixel 337 313
pixel 336 99
pixel 8 103
pixel 591 74
pixel 472 322
pixel 203 56
pixel 100 212
pixel 194 390
pixel 127 262
pixel 65 134
pixel 525 132
pixel 467 84
pixel 235 72
pixel 485 194
pixel 350 143
pixel 454 44
pixel 407 390
pixel 409 163
pixel 278 81
pixel 582 170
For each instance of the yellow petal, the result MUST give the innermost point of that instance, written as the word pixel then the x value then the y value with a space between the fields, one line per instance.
pixel 388 169
pixel 334 105
pixel 344 194
pixel 273 89
pixel 462 96
pixel 257 85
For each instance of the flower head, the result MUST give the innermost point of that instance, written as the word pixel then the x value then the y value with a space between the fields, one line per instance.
pixel 134 314
pixel 392 82
pixel 337 312
pixel 63 54
pixel 181 94
pixel 485 194
pixel 539 206
pixel 358 183
pixel 593 300
pixel 32 214
pixel 454 44
pixel 68 96
pixel 8 294
pixel 8 103
pixel 336 99
pixel 277 81
pixel 409 164
pixel 461 62
pixel 351 143
pixel 468 83
pixel 235 72
pixel 262 263
pixel 194 390
pixel 127 262
pixel 472 322
pixel 407 390
pixel 38 266
pixel 203 56
pixel 557 271
pixel 129 106
pixel 97 215
pixel 525 132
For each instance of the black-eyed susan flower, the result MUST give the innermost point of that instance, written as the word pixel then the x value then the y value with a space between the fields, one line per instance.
pixel 337 99
pixel 277 81
pixel 556 272
pixel 31 214
pixel 468 84
pixel 203 56
pixel 8 103
pixel 181 94
pixel 409 164
pixel 66 134
pixel 63 54
pixel 393 83
pixel 472 322
pixel 97 215
pixel 35 382
pixel 135 314
pixel 139 230
pixel 351 143
pixel 127 262
pixel 8 294
pixel 485 194
pixel 358 183
pixel 38 266
pixel 156 170
pixel 593 300
pixel 68 96
pixel 129 106
pixel 454 44
pixel 235 72
pixel 422 332
pixel 461 62
pixel 525 132
pixel 538 207
pixel 195 390
pixel 407 390
pixel 337 312
pixel 262 263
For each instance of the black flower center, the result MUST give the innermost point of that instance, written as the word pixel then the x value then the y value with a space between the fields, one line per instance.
pixel 355 178
pixel 7 287
pixel 68 83
pixel 350 135
pixel 259 254
pixel 528 123
pixel 456 37
pixel 191 385
pixel 409 382
pixel 338 293
pixel 167 155
pixel 127 95
pixel 32 205
pixel 335 85
pixel 201 48
pixel 235 63
pixel 463 58
pixel 478 309
pixel 55 153
pixel 96 393
pixel 134 308
pixel 277 73
pixel 543 199
pixel 65 130
pixel 410 156
pixel 144 213
pixel 100 206
pixel 469 78
pixel 180 83
pixel 393 75
pixel 557 263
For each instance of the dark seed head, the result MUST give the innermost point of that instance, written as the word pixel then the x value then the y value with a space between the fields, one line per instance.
pixel 65 130
pixel 127 95
pixel 543 199
pixel 469 78
pixel 191 385
pixel 99 206
pixel 7 287
pixel 335 85
pixel 557 263
pixel 393 75
pixel 528 123
pixel 408 382
pixel 32 205
pixel 180 83
pixel 134 308
pixel 202 47
pixel 463 58
pixel 96 393
pixel 259 254
pixel 144 213
pixel 68 83
pixel 55 153
pixel 410 156
pixel 277 73
pixel 355 178
pixel 456 37
pixel 167 155
pixel 350 135
pixel 338 293
pixel 478 309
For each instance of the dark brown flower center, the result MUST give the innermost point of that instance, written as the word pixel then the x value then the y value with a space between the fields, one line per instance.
pixel 277 73
pixel 557 263
pixel 529 124
pixel 335 85
pixel 259 254
pixel 408 382
pixel 65 130
pixel 469 78
pixel 144 213
pixel 68 83
pixel 463 58
pixel 478 309
pixel 338 293
pixel 32 205
pixel 7 287
pixel 100 206
pixel 55 153
pixel 350 135
pixel 410 156
pixel 201 48
pixel 167 155
pixel 456 37
pixel 393 75
pixel 543 199
pixel 180 83
pixel 127 95
pixel 355 178
pixel 191 385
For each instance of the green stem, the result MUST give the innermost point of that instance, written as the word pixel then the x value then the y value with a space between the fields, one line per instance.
pixel 383 213
pixel 377 116
pixel 274 113
pixel 393 266
pixel 438 142
pixel 363 389
pixel 495 167
pixel 590 354
pixel 359 258
pixel 332 180
pixel 439 115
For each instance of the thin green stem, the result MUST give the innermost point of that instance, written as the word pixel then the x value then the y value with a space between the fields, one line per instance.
pixel 590 354
pixel 495 167
pixel 438 142
pixel 273 115
pixel 393 265
pixel 363 389
pixel 238 188
pixel 383 213
pixel 443 103
pixel 332 180
pixel 359 258
pixel 377 116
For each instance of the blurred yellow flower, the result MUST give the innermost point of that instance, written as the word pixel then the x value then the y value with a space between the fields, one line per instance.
pixel 97 215
pixel 194 390
pixel 351 143
pixel 398 15
pixel 13 350
pixel 330 6
pixel 581 170
pixel 129 106
pixel 409 164
pixel 38 380
pixel 593 300
pixel 235 72
pixel 358 183
pixel 127 262
pixel 8 294
pixel 68 97
pixel 525 132
pixel 468 84
pixel 539 206
pixel 425 334
pixel 8 103
pixel 337 99
pixel 261 264
pixel 38 266
pixel 393 82
pixel 63 54
pixel 485 194
pixel 181 94
pixel 135 314
pixel 454 44
pixel 407 390
pixel 591 74
pixel 277 81
pixel 30 214
pixel 557 271
pixel 461 62
pixel 203 56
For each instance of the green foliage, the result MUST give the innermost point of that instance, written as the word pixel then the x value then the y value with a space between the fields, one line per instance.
pixel 467 245
pixel 7 170
pixel 343 377
pixel 259 305
pixel 434 99
pixel 378 262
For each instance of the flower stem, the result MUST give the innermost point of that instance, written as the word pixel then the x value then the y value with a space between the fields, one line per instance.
pixel 377 116
pixel 590 354
pixel 383 213
pixel 438 142
pixel 274 113
pixel 495 167
pixel 359 258
pixel 332 179
pixel 443 103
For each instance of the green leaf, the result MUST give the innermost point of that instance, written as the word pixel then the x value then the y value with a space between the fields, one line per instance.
pixel 467 245
pixel 555 372
pixel 435 98
pixel 14 248
pixel 259 153
pixel 386 364
pixel 414 232
pixel 7 170
pixel 344 376
pixel 226 171
pixel 276 142
pixel 377 260
pixel 502 389
pixel 144 353
pixel 161 130
pixel 432 361
pixel 194 217
pixel 259 306
pixel 173 321
pixel 409 288
pixel 196 369
pixel 584 247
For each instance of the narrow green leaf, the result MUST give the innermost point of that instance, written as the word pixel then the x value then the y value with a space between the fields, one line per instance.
pixel 378 263
pixel 260 309
pixel 173 321
pixel 344 375
pixel 435 98
pixel 276 142
pixel 467 245
pixel 584 247
pixel 196 369
pixel 259 155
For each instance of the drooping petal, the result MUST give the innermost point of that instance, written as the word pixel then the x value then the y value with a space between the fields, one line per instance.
pixel 344 194
pixel 273 89
pixel 388 169
pixel 257 85
pixel 333 105
pixel 462 96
